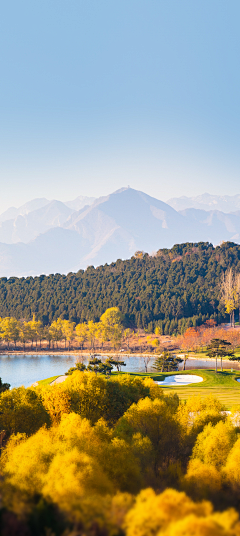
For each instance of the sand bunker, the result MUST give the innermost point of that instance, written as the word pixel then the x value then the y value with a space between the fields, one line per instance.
pixel 180 379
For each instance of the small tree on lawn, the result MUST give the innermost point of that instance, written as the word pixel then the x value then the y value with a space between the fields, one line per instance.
pixel 79 366
pixel 97 366
pixel 219 348
pixel 93 364
pixel 167 362
pixel 115 363
pixel 105 368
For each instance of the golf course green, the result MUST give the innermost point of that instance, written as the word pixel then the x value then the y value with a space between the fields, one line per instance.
pixel 223 385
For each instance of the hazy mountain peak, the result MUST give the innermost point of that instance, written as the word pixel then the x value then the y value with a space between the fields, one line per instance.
pixel 80 202
pixel 59 238
pixel 13 212
pixel 120 190
pixel 26 227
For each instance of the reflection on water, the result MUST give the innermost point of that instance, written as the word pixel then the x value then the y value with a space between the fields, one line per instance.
pixel 27 369
pixel 209 364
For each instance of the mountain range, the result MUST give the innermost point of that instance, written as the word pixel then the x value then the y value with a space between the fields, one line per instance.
pixel 224 203
pixel 49 236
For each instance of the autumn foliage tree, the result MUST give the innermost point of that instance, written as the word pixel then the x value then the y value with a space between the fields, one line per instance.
pixel 189 341
pixel 230 292
pixel 117 456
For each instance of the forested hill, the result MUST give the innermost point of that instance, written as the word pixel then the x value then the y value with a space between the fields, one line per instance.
pixel 175 285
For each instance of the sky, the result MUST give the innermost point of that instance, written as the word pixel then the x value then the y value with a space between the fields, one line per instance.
pixel 96 95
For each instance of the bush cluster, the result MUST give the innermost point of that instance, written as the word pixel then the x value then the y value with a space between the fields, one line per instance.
pixel 116 456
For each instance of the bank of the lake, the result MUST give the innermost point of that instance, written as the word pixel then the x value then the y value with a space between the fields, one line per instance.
pixel 25 369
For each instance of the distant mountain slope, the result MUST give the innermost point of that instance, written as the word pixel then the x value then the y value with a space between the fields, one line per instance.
pixel 219 224
pixel 26 227
pixel 80 202
pixel 130 219
pixel 175 289
pixel 59 239
pixel 225 203
pixel 127 220
pixel 13 212
pixel 58 250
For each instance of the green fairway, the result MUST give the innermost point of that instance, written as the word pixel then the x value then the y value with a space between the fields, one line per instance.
pixel 203 355
pixel 48 380
pixel 222 385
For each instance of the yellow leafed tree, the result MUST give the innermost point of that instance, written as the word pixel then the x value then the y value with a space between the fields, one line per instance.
pixel 81 333
pixel 56 400
pixel 230 292
pixel 174 514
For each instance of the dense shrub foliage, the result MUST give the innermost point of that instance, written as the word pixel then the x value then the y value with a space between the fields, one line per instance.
pixel 172 288
pixel 114 457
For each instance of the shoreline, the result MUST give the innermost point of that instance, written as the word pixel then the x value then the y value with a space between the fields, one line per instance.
pixel 80 353
pixel 84 353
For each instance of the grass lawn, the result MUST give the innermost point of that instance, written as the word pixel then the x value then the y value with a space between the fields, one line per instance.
pixel 48 380
pixel 203 355
pixel 222 385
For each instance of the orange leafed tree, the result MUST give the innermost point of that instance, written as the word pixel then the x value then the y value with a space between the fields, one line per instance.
pixel 207 332
pixel 189 341
pixel 233 336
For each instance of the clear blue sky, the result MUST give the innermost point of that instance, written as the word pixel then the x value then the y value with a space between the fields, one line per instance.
pixel 96 95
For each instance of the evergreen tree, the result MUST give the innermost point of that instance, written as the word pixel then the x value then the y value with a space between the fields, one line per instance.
pixel 219 348
pixel 4 386
pixel 167 362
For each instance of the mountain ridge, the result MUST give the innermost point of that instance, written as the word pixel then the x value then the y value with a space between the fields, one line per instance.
pixel 57 238
pixel 224 203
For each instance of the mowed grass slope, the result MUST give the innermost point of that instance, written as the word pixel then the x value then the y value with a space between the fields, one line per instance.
pixel 222 385
pixel 48 380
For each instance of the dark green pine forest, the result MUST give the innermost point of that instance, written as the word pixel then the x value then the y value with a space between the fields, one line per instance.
pixel 175 289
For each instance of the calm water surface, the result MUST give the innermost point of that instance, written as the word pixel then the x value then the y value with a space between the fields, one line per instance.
pixel 27 369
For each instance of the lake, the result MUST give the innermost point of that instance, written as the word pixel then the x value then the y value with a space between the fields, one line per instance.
pixel 27 369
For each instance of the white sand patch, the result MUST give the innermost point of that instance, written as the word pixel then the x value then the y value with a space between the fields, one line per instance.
pixel 180 379
pixel 60 379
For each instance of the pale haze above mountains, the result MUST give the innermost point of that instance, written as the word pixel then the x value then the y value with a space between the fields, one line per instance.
pixel 48 236
pixel 225 203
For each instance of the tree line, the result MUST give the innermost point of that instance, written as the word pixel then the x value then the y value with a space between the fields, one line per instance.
pixel 109 333
pixel 98 456
pixel 110 328
pixel 175 289
pixel 197 339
